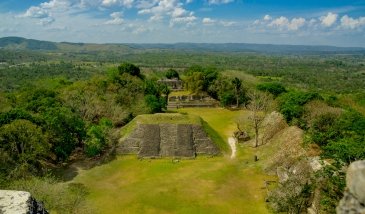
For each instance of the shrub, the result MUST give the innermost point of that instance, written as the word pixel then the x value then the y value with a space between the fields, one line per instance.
pixel 291 104
pixel 272 87
pixel 97 137
pixel 129 68
pixel 171 73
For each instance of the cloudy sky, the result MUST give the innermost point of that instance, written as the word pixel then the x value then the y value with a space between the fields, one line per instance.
pixel 307 22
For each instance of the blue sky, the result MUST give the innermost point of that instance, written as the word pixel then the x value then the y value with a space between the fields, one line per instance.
pixel 306 22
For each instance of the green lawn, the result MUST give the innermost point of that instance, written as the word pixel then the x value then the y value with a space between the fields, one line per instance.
pixel 204 185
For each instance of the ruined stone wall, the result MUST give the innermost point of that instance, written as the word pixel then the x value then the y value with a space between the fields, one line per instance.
pixel 19 202
pixel 167 140
pixel 353 201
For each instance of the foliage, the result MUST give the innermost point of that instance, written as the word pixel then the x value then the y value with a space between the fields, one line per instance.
pixel 129 68
pixel 332 181
pixel 291 197
pixel 227 98
pixel 16 77
pixel 155 104
pixel 198 79
pixel 291 104
pixel 323 130
pixel 39 100
pixel 273 88
pixel 96 138
pixel 171 73
pixel 18 113
pixel 66 130
pixel 342 138
pixel 24 145
pixel 154 96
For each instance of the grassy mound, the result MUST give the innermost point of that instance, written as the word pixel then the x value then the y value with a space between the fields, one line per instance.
pixel 160 118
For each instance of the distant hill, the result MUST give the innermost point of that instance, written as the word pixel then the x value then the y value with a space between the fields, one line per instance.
pixel 18 43
pixel 27 44
pixel 257 48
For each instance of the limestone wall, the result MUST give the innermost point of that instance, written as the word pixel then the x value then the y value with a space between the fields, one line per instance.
pixel 353 201
pixel 19 202
pixel 167 140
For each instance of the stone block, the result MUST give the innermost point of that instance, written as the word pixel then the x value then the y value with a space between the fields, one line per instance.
pixel 184 143
pixel 150 143
pixel 168 136
pixel 355 180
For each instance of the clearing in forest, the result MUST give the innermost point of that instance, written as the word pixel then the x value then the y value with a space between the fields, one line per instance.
pixel 204 185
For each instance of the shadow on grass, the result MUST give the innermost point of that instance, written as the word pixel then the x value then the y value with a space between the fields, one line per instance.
pixel 217 139
pixel 71 170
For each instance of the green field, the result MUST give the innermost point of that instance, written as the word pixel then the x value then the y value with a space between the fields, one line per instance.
pixel 204 185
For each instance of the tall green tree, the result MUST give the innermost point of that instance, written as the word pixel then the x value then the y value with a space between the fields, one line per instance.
pixel 25 144
pixel 66 130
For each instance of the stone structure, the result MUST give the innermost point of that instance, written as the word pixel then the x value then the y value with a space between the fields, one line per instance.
pixel 167 140
pixel 353 201
pixel 185 101
pixel 19 202
pixel 174 84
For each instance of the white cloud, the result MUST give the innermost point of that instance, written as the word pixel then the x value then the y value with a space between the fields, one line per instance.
pixel 143 4
pixel 125 3
pixel 208 21
pixel 171 9
pixel 220 1
pixel 116 19
pixel 57 4
pixel 349 22
pixel 46 21
pixel 280 22
pixel 36 12
pixel 227 23
pixel 284 23
pixel 178 12
pixel 329 19
pixel 296 23
pixel 267 18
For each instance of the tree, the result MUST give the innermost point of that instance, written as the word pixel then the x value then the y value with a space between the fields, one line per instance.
pixel 237 87
pixel 171 73
pixel 199 79
pixel 291 104
pixel 195 82
pixel 66 130
pixel 129 68
pixel 259 105
pixel 273 88
pixel 165 90
pixel 25 144
pixel 154 103
pixel 97 137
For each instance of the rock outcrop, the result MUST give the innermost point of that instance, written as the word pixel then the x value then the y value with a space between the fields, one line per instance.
pixel 167 140
pixel 353 201
pixel 19 202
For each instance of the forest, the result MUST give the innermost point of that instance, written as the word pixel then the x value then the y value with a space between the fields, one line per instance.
pixel 60 104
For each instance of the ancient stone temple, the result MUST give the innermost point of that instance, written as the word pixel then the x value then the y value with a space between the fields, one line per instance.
pixel 174 139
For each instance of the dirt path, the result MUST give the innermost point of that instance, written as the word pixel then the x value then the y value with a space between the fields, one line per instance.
pixel 232 144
